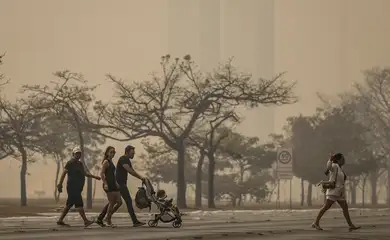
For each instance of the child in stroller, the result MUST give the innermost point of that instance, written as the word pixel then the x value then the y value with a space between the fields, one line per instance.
pixel 168 211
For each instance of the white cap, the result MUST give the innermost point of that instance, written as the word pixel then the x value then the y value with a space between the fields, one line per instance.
pixel 76 150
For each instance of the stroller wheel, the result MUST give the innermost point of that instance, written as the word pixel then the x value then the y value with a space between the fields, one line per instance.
pixel 152 223
pixel 176 224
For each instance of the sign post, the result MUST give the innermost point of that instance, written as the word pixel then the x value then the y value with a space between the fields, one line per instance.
pixel 284 168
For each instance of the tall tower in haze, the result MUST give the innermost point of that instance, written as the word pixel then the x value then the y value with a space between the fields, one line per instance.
pixel 183 28
pixel 247 34
pixel 210 34
pixel 215 30
pixel 194 28
pixel 344 83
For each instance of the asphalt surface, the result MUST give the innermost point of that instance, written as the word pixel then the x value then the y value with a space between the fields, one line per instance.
pixel 243 225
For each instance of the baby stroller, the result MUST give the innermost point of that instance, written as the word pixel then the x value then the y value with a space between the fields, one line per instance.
pixel 168 211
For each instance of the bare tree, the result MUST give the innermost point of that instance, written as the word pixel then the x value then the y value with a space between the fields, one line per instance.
pixel 247 156
pixel 374 94
pixel 24 134
pixel 208 139
pixel 57 150
pixel 160 162
pixel 363 186
pixel 5 150
pixel 3 81
pixel 70 98
pixel 170 105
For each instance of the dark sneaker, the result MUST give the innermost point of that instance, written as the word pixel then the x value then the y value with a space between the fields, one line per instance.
pixel 88 223
pixel 62 224
pixel 353 228
pixel 100 223
pixel 111 225
pixel 138 224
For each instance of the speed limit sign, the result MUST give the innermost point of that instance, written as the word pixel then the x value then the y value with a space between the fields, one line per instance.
pixel 284 164
pixel 284 157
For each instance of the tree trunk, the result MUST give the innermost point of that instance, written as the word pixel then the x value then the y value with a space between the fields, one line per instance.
pixel 56 193
pixel 94 190
pixel 241 182
pixel 234 202
pixel 374 182
pixel 352 189
pixel 309 194
pixel 364 183
pixel 239 200
pixel 211 172
pixel 198 185
pixel 82 147
pixel 302 192
pixel 89 193
pixel 23 174
pixel 181 181
pixel 89 180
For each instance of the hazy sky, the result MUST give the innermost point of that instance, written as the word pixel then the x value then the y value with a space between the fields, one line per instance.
pixel 323 45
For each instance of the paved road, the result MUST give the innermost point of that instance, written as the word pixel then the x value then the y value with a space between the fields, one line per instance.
pixel 206 225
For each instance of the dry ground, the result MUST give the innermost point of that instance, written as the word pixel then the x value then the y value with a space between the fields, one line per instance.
pixel 12 208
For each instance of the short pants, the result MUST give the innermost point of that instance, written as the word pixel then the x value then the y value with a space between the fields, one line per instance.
pixel 335 198
pixel 75 198
pixel 111 187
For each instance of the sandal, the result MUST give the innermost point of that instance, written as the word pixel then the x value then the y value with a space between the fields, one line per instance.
pixel 353 227
pixel 62 224
pixel 109 224
pixel 138 224
pixel 88 223
pixel 316 226
pixel 100 223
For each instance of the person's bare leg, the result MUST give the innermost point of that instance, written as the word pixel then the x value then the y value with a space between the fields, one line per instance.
pixel 63 215
pixel 102 215
pixel 111 203
pixel 81 211
pixel 328 204
pixel 118 202
pixel 115 203
pixel 344 206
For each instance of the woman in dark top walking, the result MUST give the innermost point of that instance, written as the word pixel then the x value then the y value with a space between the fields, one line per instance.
pixel 110 185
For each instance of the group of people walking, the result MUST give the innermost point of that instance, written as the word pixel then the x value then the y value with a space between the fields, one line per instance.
pixel 114 180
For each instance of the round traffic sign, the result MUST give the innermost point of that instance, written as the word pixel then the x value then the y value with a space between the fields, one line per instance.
pixel 284 157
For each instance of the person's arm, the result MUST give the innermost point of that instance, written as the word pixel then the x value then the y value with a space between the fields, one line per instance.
pixel 329 165
pixel 103 170
pixel 62 178
pixel 333 172
pixel 88 174
pixel 132 172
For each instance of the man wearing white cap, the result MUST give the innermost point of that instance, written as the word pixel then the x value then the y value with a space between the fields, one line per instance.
pixel 76 173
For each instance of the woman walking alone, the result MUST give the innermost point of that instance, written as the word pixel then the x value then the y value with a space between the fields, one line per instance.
pixel 336 191
pixel 110 186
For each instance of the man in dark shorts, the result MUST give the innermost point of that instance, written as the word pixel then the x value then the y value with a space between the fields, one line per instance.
pixel 76 179
pixel 124 167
